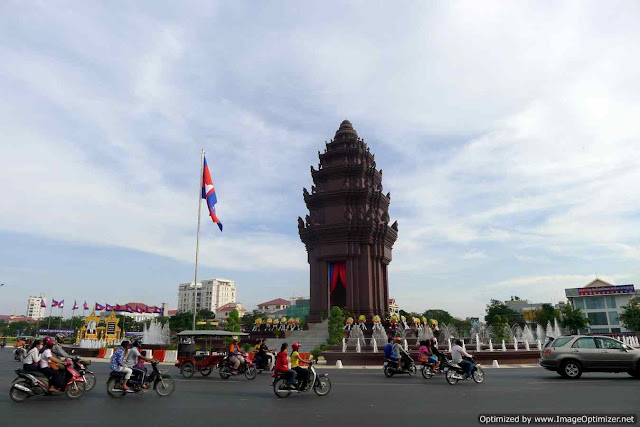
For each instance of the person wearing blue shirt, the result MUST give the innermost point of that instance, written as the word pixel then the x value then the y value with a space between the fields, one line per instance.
pixel 118 363
pixel 389 352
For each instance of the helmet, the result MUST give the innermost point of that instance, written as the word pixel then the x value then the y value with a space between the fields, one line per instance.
pixel 295 346
pixel 398 339
pixel 60 338
pixel 47 341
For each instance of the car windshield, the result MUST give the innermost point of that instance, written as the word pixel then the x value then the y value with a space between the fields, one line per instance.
pixel 608 343
pixel 559 342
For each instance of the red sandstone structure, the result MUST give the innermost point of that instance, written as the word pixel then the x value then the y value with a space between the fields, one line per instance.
pixel 347 232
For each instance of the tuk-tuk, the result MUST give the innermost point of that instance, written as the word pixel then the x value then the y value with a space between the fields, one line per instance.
pixel 202 351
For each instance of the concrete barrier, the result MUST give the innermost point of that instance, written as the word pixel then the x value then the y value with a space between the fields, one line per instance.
pixel 160 355
pixel 171 356
pixel 108 353
pixel 101 353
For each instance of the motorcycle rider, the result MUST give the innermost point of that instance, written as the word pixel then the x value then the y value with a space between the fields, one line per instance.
pixel 456 358
pixel 263 353
pixel 131 360
pixel 31 360
pixel 302 373
pixel 282 366
pixel 57 350
pixel 403 355
pixel 118 363
pixel 56 379
pixel 436 354
pixel 389 352
pixel 235 355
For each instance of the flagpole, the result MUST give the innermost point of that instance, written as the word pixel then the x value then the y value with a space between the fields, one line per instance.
pixel 195 275
pixel 50 311
pixel 61 314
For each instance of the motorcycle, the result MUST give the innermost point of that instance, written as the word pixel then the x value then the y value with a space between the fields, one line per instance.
pixel 161 382
pixel 19 353
pixel 80 365
pixel 392 367
pixel 35 383
pixel 320 383
pixel 247 368
pixel 266 365
pixel 456 373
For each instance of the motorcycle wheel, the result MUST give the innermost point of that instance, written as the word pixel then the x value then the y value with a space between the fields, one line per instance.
pixel 478 375
pixel 280 388
pixel 112 391
pixel 205 371
pixel 165 387
pixel 89 381
pixel 187 369
pixel 224 372
pixel 18 395
pixel 75 390
pixel 322 387
pixel 427 373
pixel 251 373
pixel 412 370
pixel 450 377
pixel 388 372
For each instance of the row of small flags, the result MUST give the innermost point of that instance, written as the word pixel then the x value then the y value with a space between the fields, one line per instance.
pixel 107 307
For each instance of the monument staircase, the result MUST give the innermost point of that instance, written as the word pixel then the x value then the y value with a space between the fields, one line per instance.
pixel 317 334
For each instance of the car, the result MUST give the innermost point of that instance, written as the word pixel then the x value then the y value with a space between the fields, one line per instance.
pixel 572 355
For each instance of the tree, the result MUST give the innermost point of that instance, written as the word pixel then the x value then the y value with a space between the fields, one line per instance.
pixel 442 316
pixel 233 322
pixel 182 320
pixel 248 320
pixel 496 307
pixel 573 319
pixel 336 326
pixel 545 314
pixel 498 328
pixel 630 315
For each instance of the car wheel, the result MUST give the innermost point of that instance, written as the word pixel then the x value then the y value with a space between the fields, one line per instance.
pixel 571 370
pixel 635 372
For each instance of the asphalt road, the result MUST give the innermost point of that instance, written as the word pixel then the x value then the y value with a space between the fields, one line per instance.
pixel 358 397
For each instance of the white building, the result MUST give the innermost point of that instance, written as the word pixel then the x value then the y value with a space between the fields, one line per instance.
pixel 211 295
pixel 274 305
pixel 601 303
pixel 223 312
pixel 33 307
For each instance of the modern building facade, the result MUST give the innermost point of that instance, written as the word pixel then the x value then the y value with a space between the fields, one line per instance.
pixel 211 294
pixel 34 310
pixel 601 303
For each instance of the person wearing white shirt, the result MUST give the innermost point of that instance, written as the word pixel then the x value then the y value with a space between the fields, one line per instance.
pixel 456 357
pixel 56 379
pixel 31 360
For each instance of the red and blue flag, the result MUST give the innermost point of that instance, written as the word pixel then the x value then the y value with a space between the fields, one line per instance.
pixel 99 307
pixel 129 309
pixel 108 307
pixel 42 303
pixel 61 304
pixel 75 306
pixel 209 194
pixel 85 306
pixel 54 303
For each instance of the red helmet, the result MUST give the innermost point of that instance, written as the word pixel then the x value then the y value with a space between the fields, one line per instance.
pixel 295 346
pixel 47 341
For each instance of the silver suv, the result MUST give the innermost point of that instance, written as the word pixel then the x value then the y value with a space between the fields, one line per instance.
pixel 570 356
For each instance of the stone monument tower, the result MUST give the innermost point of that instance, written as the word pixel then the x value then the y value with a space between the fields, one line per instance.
pixel 347 232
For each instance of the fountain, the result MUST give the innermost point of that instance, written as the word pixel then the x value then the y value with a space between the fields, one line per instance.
pixel 379 334
pixel 405 345
pixel 449 342
pixel 504 347
pixel 549 331
pixel 515 345
pixel 490 345
pixel 526 345
pixel 464 347
pixel 355 335
pixel 344 345
pixel 448 331
pixel 556 328
pixel 540 333
pixel 478 347
pixel 527 334
pixel 375 344
pixel 517 333
pixel 156 333
pixel 358 344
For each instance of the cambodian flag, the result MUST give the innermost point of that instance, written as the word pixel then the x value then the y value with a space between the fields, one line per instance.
pixel 42 303
pixel 85 306
pixel 54 303
pixel 119 308
pixel 129 309
pixel 61 304
pixel 75 306
pixel 139 309
pixel 99 307
pixel 157 310
pixel 108 307
pixel 209 193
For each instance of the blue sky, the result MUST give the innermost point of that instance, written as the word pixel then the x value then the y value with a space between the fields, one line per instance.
pixel 507 133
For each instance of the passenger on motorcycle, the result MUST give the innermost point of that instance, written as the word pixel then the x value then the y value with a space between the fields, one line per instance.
pixel 263 358
pixel 389 352
pixel 131 361
pixel 303 374
pixel 57 350
pixel 282 367
pixel 235 355
pixel 32 359
pixel 19 343
pixel 424 354
pixel 435 353
pixel 456 358
pixel 56 379
pixel 118 363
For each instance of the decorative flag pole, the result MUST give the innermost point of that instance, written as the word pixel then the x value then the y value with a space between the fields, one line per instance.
pixel 195 275
pixel 54 303
pixel 61 306
pixel 208 192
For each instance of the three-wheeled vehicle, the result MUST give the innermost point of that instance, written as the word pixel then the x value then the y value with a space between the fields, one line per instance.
pixel 202 351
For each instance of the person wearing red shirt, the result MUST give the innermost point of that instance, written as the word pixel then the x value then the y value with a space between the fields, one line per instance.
pixel 282 367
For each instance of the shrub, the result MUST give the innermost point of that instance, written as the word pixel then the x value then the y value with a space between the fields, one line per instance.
pixel 336 328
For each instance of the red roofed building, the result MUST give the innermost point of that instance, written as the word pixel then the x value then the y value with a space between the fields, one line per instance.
pixel 142 312
pixel 274 305
pixel 223 312
pixel 11 318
